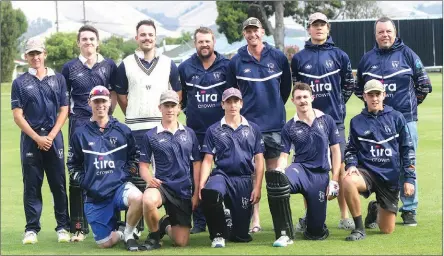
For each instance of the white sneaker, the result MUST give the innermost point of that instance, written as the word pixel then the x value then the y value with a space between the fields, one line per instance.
pixel 283 241
pixel 218 242
pixel 30 237
pixel 63 236
pixel 78 236
pixel 347 224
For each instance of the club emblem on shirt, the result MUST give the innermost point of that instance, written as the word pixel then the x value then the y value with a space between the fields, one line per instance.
pixel 308 66
pixel 103 70
pixel 387 129
pixel 51 82
pixel 270 67
pixel 113 140
pixel 60 153
pixel 321 196
pixel 395 64
pixel 148 87
pixel 183 137
pixel 216 76
pixel 245 202
pixel 329 63
pixel 245 132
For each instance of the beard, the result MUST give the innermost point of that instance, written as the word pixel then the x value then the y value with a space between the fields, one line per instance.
pixel 205 56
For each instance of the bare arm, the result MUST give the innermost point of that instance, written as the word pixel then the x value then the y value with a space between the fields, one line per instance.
pixel 61 118
pixel 147 176
pixel 282 161
pixel 113 102
pixel 21 122
pixel 122 99
pixel 336 161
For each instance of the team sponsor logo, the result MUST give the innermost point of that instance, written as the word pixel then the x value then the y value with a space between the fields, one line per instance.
pixel 380 154
pixel 80 74
pixel 216 76
pixel 308 66
pixel 244 202
pixel 365 133
pixel 162 140
pixel 320 90
pixel 329 64
pixel 60 151
pixel 418 64
pixel 101 164
pixel 395 64
pixel 270 67
pixel 195 77
pixel 349 66
pixel 247 70
pixel 321 196
pixel 29 87
pixel 113 140
pixel 206 99
pixel 374 67
pixel 29 154
pixel 91 143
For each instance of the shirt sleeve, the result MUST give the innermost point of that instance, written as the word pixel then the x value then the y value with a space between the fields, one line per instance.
pixel 182 80
pixel 195 152
pixel 16 101
pixel 286 139
pixel 295 69
pixel 145 150
pixel 64 99
pixel 208 145
pixel 286 79
pixel 121 86
pixel 406 151
pixel 65 73
pixel 347 79
pixel 75 160
pixel 113 80
pixel 359 88
pixel 231 74
pixel 259 146
pixel 421 79
pixel 174 78
pixel 351 149
pixel 333 132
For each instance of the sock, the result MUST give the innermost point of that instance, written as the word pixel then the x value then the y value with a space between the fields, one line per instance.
pixel 358 223
pixel 120 234
pixel 129 232
pixel 155 235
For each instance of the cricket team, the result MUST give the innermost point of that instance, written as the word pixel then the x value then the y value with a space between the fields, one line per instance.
pixel 209 173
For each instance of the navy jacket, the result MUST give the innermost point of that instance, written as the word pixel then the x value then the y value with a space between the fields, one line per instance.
pixel 401 71
pixel 202 92
pixel 101 162
pixel 327 69
pixel 265 86
pixel 380 143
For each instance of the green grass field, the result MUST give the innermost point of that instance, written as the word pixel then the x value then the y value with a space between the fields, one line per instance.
pixel 426 238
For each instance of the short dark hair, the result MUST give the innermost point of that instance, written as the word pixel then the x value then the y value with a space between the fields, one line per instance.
pixel 87 28
pixel 145 22
pixel 384 19
pixel 302 87
pixel 203 30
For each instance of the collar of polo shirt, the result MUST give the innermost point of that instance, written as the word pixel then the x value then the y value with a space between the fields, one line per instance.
pixel 243 121
pixel 161 129
pixel 49 71
pixel 318 113
pixel 84 60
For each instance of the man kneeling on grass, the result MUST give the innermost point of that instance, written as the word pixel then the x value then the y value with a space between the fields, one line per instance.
pixel 378 143
pixel 102 157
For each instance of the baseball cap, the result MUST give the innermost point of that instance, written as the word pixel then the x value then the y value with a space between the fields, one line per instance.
pixel 230 92
pixel 373 85
pixel 317 16
pixel 34 44
pixel 99 92
pixel 169 96
pixel 252 21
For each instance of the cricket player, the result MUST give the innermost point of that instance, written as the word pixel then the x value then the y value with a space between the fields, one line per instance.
pixel 379 147
pixel 143 76
pixel 82 74
pixel 169 148
pixel 39 105
pixel 101 159
pixel 327 69
pixel 203 81
pixel 310 133
pixel 262 74
pixel 406 83
pixel 236 146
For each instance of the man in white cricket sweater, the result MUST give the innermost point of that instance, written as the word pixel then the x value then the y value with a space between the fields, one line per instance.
pixel 143 76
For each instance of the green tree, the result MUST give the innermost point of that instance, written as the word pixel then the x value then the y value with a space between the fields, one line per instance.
pixel 61 48
pixel 13 25
pixel 112 48
pixel 184 37
pixel 362 10
pixel 129 47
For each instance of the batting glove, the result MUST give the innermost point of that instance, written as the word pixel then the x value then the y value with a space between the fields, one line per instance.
pixel 333 188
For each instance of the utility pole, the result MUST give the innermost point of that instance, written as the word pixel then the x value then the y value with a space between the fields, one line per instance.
pixel 57 17
pixel 84 13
